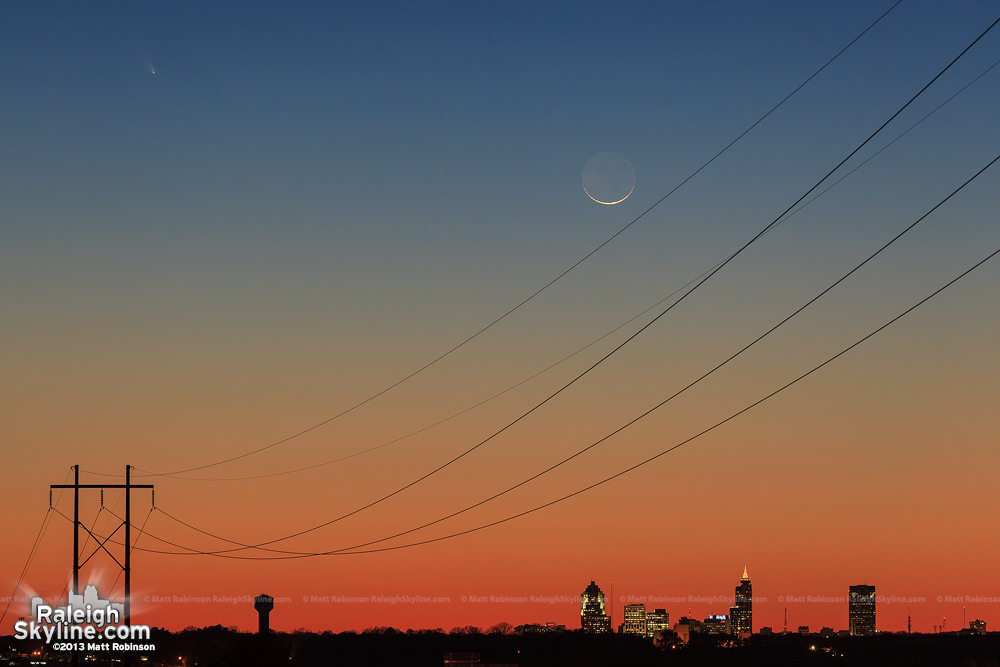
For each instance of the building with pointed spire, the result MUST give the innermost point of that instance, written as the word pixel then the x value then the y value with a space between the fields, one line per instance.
pixel 741 613
pixel 592 615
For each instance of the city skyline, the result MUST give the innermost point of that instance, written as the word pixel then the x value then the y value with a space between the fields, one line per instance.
pixel 330 280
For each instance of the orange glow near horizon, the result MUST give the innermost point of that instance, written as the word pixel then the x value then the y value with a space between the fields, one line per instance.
pixel 335 289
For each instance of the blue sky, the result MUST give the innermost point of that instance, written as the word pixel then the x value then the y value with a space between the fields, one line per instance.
pixel 307 202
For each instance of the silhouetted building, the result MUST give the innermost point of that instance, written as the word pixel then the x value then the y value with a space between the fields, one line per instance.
pixel 803 629
pixel 263 603
pixel 826 632
pixel 717 624
pixel 592 615
pixel 978 626
pixel 538 628
pixel 635 619
pixel 657 621
pixel 741 613
pixel 861 610
pixel 685 627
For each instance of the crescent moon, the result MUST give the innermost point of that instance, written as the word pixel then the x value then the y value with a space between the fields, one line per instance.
pixel 608 178
pixel 609 203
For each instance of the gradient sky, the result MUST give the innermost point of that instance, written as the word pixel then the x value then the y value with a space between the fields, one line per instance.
pixel 305 204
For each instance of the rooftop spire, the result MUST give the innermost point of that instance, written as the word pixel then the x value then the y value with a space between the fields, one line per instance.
pixel 745 577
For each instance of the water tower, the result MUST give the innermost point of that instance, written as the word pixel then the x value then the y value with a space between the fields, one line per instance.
pixel 263 603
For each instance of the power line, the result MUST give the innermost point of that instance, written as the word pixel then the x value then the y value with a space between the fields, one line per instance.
pixel 621 472
pixel 645 326
pixel 242 545
pixel 90 534
pixel 132 548
pixel 544 287
pixel 692 438
pixel 388 443
pixel 641 329
pixel 661 314
pixel 452 416
pixel 695 382
pixel 34 546
pixel 659 405
pixel 27 562
pixel 188 551
pixel 897 138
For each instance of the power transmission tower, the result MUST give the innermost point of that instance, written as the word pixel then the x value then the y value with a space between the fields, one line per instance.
pixel 127 524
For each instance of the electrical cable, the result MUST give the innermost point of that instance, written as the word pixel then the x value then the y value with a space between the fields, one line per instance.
pixel 646 326
pixel 368 450
pixel 34 545
pixel 773 328
pixel 620 473
pixel 537 292
pixel 134 542
pixel 27 562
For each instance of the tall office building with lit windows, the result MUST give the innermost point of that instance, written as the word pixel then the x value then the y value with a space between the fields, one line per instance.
pixel 635 620
pixel 741 613
pixel 861 610
pixel 592 616
pixel 657 620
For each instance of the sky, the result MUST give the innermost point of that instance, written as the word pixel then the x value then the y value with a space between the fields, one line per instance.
pixel 224 225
